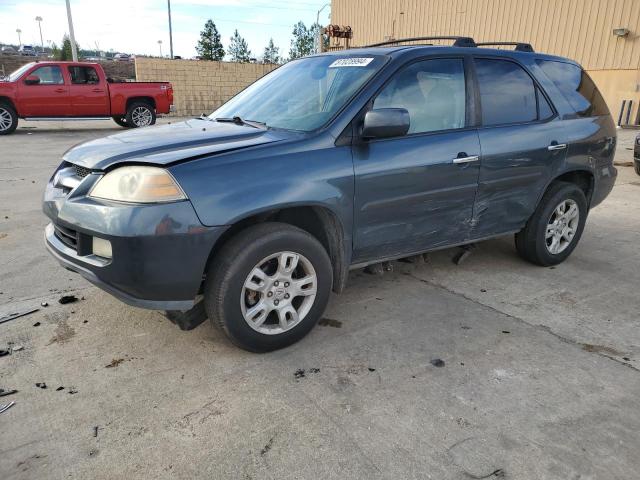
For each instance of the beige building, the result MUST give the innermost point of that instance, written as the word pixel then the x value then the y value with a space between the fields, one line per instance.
pixel 602 35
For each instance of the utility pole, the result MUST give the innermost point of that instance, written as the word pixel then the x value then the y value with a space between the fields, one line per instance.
pixel 319 39
pixel 18 31
pixel 160 43
pixel 72 36
pixel 39 20
pixel 170 31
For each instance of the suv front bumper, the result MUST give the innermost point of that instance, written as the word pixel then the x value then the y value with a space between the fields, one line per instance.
pixel 159 251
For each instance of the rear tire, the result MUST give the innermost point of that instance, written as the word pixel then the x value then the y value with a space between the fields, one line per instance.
pixel 121 121
pixel 636 166
pixel 268 286
pixel 140 114
pixel 8 119
pixel 554 230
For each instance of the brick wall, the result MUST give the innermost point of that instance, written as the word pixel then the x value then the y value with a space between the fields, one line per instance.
pixel 117 70
pixel 200 86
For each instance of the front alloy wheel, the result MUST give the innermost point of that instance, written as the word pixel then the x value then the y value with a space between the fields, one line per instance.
pixel 8 119
pixel 278 293
pixel 268 286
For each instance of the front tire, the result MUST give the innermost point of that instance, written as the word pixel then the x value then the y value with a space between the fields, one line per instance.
pixel 555 228
pixel 636 166
pixel 140 114
pixel 268 286
pixel 8 119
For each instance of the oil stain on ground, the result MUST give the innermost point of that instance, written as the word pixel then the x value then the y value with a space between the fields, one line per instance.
pixel 602 349
pixel 62 333
pixel 330 322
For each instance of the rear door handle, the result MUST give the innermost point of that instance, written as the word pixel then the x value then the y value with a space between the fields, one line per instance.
pixel 473 158
pixel 97 90
pixel 559 146
pixel 60 90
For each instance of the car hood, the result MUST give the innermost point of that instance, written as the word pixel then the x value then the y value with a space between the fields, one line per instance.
pixel 166 144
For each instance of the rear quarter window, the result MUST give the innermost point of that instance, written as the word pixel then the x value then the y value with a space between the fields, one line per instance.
pixel 576 86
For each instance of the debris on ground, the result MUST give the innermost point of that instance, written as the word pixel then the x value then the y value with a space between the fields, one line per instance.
pixel 59 388
pixel 72 391
pixel 95 431
pixel 16 348
pixel 314 370
pixel 267 447
pixel 44 304
pixel 372 369
pixel 41 385
pixel 299 373
pixel 4 408
pixel 506 331
pixel 13 316
pixel 65 299
pixel 37 324
pixel 114 363
pixel 330 322
pixel 4 393
pixel 437 362
pixel 4 351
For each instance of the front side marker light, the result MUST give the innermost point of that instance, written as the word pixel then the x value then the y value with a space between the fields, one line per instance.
pixel 138 184
pixel 102 248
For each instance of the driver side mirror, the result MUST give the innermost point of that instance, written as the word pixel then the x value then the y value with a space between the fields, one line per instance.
pixel 32 80
pixel 385 123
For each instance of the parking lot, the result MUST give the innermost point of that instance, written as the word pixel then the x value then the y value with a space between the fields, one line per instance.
pixel 492 368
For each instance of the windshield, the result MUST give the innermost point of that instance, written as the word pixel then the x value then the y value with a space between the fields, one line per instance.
pixel 16 75
pixel 303 94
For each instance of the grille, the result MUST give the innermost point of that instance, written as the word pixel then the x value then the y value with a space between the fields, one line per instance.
pixel 67 236
pixel 81 171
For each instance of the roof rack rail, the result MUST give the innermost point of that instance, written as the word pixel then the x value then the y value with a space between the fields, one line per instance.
pixel 520 46
pixel 458 41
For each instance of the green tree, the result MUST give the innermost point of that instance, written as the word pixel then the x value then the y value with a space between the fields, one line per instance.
pixel 238 49
pixel 271 53
pixel 65 52
pixel 209 46
pixel 303 41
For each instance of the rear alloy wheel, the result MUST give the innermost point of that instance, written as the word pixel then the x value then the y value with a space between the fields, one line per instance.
pixel 140 114
pixel 268 286
pixel 554 230
pixel 8 119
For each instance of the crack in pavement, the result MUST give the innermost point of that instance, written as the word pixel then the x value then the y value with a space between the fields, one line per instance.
pixel 570 341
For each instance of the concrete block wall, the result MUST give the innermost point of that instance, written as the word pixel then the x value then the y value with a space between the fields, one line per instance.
pixel 200 86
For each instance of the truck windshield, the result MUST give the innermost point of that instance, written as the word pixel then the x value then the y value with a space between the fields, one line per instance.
pixel 302 94
pixel 16 75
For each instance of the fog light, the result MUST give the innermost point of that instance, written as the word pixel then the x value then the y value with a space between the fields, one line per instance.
pixel 102 247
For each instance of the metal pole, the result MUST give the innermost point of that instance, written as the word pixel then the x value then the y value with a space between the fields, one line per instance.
pixel 18 31
pixel 39 19
pixel 72 36
pixel 170 31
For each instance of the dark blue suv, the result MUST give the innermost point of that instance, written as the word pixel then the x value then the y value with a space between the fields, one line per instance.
pixel 329 163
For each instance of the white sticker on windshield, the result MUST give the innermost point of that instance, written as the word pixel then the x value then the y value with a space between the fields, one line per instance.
pixel 351 62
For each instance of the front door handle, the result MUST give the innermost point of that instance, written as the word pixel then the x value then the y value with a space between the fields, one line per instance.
pixel 558 146
pixel 60 90
pixel 472 158
pixel 97 90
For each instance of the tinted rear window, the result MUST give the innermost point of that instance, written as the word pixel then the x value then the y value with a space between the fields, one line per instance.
pixel 576 86
pixel 507 93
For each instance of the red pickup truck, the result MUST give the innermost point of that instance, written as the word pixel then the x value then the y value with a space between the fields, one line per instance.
pixel 72 90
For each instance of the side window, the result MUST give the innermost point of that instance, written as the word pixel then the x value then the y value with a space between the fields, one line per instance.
pixel 576 86
pixel 507 92
pixel 544 108
pixel 83 76
pixel 432 91
pixel 50 75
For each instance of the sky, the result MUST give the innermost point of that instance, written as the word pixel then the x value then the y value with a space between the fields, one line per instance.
pixel 135 26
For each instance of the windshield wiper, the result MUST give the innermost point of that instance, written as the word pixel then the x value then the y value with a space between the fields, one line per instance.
pixel 240 121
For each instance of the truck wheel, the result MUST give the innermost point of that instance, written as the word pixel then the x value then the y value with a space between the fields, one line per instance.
pixel 140 114
pixel 268 286
pixel 121 121
pixel 555 228
pixel 8 119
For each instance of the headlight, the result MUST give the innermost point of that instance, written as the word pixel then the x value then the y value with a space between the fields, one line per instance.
pixel 138 184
